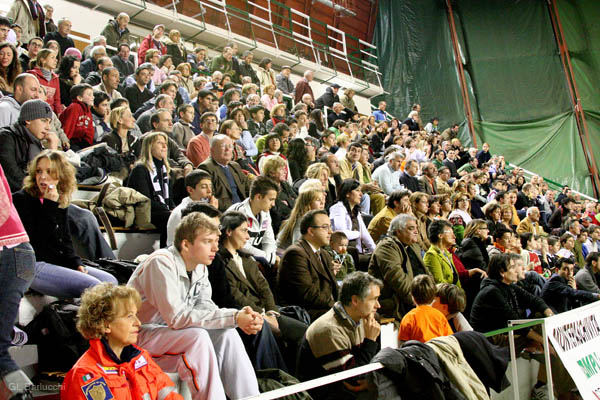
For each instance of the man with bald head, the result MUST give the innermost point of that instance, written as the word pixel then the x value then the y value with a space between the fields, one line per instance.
pixel 303 86
pixel 26 87
pixel 230 184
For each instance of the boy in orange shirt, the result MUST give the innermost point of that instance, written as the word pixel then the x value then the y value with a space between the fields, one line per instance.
pixel 423 322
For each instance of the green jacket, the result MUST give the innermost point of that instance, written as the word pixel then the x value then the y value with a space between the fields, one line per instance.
pixel 440 265
pixel 112 35
pixel 219 63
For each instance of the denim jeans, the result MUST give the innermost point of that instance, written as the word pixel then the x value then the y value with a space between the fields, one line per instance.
pixel 17 267
pixel 86 234
pixel 53 280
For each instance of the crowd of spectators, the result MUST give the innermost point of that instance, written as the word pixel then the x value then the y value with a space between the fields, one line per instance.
pixel 266 199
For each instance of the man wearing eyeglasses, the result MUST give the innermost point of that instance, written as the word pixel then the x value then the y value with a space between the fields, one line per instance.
pixel 230 184
pixel 307 274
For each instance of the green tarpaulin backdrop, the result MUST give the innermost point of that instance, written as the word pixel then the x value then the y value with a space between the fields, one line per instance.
pixel 517 87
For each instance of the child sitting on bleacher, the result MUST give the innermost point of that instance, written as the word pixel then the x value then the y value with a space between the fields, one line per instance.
pixel 423 322
pixel 451 301
pixel 338 250
pixel 77 119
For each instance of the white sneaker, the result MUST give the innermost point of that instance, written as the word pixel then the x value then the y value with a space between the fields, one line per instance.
pixel 19 337
pixel 540 393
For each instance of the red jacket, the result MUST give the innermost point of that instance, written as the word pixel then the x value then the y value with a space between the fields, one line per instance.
pixel 96 375
pixel 52 89
pixel 77 122
pixel 147 44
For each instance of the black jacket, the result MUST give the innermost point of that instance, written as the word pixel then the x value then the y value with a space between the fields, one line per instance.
pixel 125 68
pixel 410 182
pixel 284 203
pixel 497 302
pixel 217 275
pixel 48 230
pixel 247 70
pixel 413 126
pixel 412 372
pixel 14 155
pixel 487 360
pixel 453 169
pixel 473 253
pixel 327 99
pixel 561 297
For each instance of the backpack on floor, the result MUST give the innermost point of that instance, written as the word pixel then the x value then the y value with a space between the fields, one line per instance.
pixel 59 343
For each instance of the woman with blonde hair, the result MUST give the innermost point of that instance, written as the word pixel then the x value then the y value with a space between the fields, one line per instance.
pixel 275 167
pixel 308 199
pixel 278 114
pixel 186 78
pixel 175 47
pixel 268 99
pixel 150 177
pixel 507 217
pixel 42 205
pixel 459 186
pixel 108 318
pixel 120 138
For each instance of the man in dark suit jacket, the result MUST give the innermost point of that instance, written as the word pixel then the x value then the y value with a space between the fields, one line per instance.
pixel 230 184
pixel 408 178
pixel 306 275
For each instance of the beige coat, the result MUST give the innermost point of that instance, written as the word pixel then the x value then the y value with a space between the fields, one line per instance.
pixel 128 205
pixel 457 368
pixel 20 14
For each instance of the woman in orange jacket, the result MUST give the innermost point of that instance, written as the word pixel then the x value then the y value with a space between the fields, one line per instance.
pixel 113 367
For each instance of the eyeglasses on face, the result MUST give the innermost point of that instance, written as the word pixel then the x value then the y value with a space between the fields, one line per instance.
pixel 324 226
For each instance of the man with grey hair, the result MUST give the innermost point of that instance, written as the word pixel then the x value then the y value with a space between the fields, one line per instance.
pixel 303 86
pixel 99 40
pixel 252 100
pixel 336 113
pixel 91 64
pixel 284 83
pixel 343 338
pixel 116 31
pixel 396 260
pixel 61 35
pixel 531 223
pixel 388 175
pixel 230 184
pixel 308 100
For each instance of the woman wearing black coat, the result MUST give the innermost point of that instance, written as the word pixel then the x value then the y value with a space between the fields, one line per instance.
pixel 274 167
pixel 473 254
pixel 150 177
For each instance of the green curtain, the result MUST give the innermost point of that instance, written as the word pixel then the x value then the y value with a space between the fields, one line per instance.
pixel 415 54
pixel 517 87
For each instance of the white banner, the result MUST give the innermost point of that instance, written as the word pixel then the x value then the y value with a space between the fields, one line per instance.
pixel 575 336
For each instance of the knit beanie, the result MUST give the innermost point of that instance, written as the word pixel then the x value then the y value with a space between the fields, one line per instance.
pixel 34 109
pixel 72 51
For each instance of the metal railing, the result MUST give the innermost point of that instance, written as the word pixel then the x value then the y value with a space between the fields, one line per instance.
pixel 551 184
pixel 290 32
pixel 338 376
